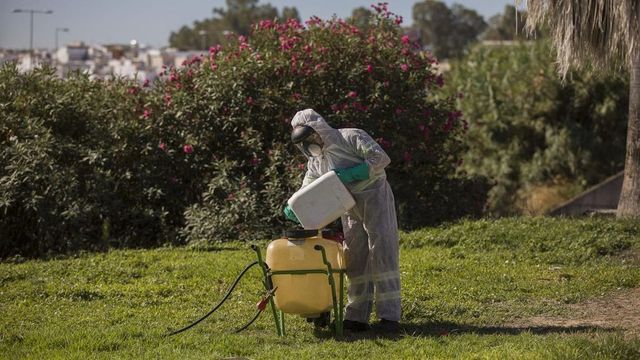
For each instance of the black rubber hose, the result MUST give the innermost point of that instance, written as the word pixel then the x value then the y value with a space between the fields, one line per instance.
pixel 250 322
pixel 219 304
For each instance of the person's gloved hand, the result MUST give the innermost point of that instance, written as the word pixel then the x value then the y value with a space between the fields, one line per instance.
pixel 288 213
pixel 356 173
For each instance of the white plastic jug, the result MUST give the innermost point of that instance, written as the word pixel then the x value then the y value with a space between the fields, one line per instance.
pixel 321 202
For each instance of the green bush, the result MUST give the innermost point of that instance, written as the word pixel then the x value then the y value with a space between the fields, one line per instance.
pixel 77 169
pixel 528 129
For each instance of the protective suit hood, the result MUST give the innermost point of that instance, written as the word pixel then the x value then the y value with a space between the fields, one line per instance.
pixel 312 119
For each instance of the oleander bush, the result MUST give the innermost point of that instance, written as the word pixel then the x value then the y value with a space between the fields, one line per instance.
pixel 247 92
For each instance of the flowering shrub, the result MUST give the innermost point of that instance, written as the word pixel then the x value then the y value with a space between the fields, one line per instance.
pixel 233 106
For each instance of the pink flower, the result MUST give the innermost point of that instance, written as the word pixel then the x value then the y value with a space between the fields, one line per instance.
pixel 167 99
pixel 369 68
pixel 404 67
pixel 352 94
pixel 421 127
pixel 447 126
pixel 301 166
pixel 265 24
pixel 440 81
pixel 255 161
pixel 384 143
pixel 405 39
pixel 173 77
pixel 145 83
pixel 250 100
pixel 360 107
pixel 133 90
pixel 146 114
pixel 454 115
pixel 314 20
pixel 162 146
pixel 399 111
pixel 398 20
pixel 335 107
pixel 188 149
pixel 214 50
pixel 406 156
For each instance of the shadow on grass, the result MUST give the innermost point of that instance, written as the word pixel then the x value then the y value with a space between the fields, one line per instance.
pixel 217 248
pixel 435 330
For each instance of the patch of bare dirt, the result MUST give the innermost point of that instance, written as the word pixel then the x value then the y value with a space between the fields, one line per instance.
pixel 619 310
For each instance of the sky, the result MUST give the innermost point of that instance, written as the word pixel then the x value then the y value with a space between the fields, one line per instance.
pixel 151 22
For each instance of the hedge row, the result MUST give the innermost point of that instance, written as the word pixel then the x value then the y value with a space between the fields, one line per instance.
pixel 203 153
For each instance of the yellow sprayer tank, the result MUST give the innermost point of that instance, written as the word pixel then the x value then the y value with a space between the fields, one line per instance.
pixel 308 295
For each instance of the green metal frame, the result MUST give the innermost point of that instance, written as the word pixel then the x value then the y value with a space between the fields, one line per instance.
pixel 338 304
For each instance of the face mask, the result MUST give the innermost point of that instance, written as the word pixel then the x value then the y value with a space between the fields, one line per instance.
pixel 315 149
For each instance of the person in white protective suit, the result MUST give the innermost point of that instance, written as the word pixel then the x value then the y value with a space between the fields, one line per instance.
pixel 370 228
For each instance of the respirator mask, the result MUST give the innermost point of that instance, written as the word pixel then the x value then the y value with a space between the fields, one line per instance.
pixel 307 140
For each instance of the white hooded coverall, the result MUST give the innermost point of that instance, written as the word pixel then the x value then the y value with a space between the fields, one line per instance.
pixel 370 228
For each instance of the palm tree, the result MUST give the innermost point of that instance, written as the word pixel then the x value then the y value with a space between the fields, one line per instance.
pixel 603 34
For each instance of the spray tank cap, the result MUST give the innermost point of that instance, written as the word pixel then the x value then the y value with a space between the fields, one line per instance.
pixel 300 233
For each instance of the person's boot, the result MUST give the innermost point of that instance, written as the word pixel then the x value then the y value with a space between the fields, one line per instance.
pixel 355 326
pixel 322 321
pixel 387 326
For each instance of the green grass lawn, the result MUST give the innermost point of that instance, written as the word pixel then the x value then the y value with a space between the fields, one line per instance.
pixel 468 290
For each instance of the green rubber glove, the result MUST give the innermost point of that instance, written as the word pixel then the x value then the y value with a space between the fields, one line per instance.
pixel 356 173
pixel 288 213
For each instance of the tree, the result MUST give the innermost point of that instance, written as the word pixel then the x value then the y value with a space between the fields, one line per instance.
pixel 467 25
pixel 361 17
pixel 237 18
pixel 506 26
pixel 290 13
pixel 447 31
pixel 602 34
